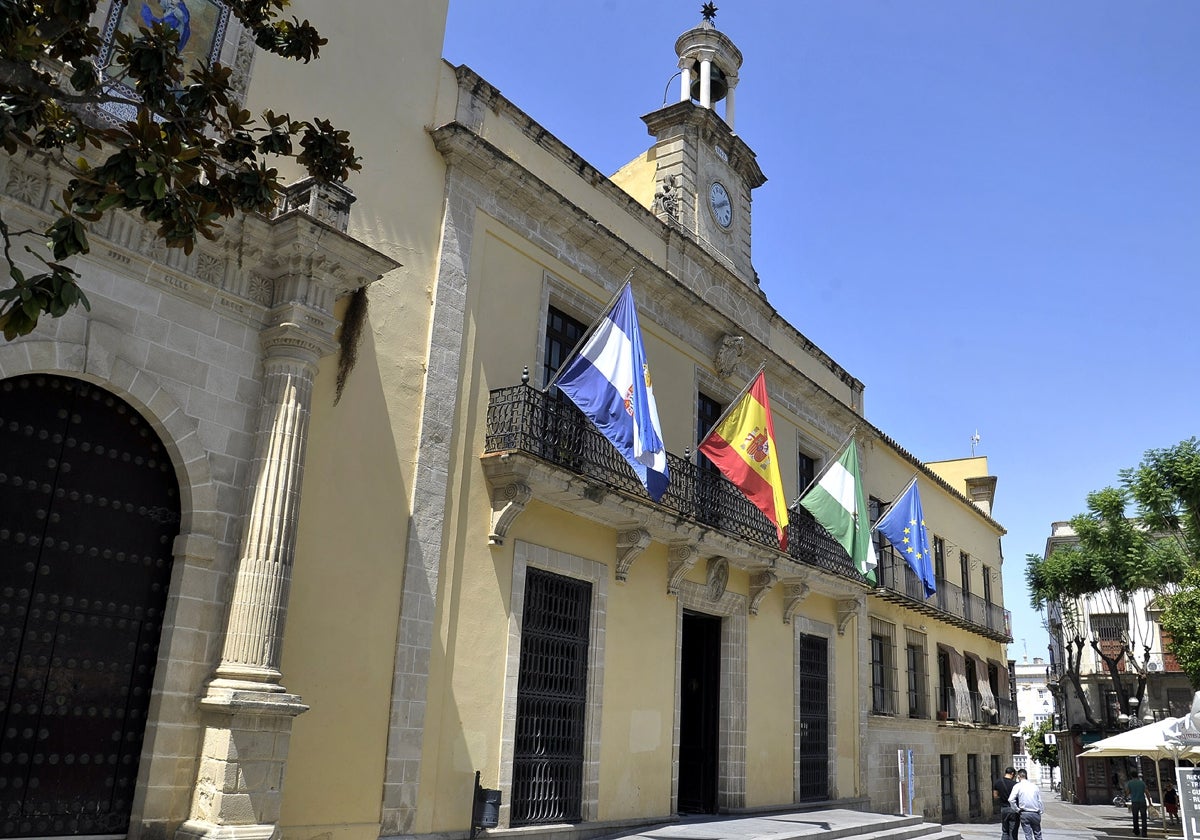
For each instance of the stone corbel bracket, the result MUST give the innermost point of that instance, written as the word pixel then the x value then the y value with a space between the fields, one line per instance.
pixel 630 545
pixel 507 503
pixel 760 584
pixel 846 610
pixel 682 557
pixel 796 589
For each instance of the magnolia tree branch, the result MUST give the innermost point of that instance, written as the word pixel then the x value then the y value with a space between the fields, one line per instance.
pixel 189 158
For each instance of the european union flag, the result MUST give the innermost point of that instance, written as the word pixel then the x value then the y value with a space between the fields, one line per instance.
pixel 904 526
pixel 610 382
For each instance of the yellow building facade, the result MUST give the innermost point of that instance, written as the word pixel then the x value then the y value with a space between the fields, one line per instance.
pixel 473 580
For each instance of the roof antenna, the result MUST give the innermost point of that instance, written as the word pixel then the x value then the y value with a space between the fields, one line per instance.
pixel 974 442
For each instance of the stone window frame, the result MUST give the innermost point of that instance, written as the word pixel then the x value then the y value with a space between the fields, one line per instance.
pixel 731 739
pixel 526 555
pixel 561 295
pixel 809 627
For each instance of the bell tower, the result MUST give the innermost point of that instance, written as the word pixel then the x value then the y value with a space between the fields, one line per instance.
pixel 704 172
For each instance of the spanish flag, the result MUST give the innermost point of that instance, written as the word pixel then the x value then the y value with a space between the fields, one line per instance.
pixel 742 446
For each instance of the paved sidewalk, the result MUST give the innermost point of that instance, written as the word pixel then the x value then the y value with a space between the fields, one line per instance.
pixel 1067 821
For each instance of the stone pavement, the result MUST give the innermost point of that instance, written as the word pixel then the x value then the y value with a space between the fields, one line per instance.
pixel 1062 821
pixel 1067 821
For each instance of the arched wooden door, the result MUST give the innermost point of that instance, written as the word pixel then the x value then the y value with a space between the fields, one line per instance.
pixel 89 510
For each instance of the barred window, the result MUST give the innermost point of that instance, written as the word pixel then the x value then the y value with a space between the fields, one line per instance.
pixel 883 667
pixel 1111 630
pixel 918 675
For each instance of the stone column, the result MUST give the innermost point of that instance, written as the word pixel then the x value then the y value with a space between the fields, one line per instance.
pixel 731 81
pixel 706 83
pixel 685 80
pixel 247 712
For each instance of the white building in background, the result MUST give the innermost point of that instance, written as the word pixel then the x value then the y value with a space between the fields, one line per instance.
pixel 1035 704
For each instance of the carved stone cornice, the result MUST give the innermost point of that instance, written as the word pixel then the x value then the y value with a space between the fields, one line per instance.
pixel 507 504
pixel 682 557
pixel 760 584
pixel 630 545
pixel 847 609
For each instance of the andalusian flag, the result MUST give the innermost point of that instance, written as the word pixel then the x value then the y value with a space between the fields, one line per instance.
pixel 742 446
pixel 839 503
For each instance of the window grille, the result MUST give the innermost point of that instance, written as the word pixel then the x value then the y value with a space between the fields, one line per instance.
pixel 949 806
pixel 883 667
pixel 1111 630
pixel 551 700
pixel 973 804
pixel 812 781
pixel 995 774
pixel 918 679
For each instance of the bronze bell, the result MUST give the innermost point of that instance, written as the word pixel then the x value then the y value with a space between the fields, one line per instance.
pixel 717 86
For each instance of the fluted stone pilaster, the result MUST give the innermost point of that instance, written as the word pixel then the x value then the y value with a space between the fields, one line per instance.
pixel 254 632
pixel 239 787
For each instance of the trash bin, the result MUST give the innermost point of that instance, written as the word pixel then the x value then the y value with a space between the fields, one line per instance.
pixel 489 808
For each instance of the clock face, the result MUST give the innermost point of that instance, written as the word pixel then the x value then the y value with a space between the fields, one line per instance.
pixel 722 207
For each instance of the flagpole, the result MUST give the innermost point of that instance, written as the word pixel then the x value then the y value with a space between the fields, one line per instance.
pixel 911 482
pixel 829 462
pixel 732 404
pixel 588 333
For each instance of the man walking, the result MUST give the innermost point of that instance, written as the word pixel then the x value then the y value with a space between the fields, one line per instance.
pixel 1135 792
pixel 1001 788
pixel 1027 800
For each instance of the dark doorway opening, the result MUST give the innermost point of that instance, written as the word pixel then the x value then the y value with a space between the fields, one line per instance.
pixel 699 713
pixel 89 511
pixel 812 781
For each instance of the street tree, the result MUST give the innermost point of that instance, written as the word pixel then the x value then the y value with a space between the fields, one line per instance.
pixel 1153 546
pixel 1166 487
pixel 189 156
pixel 1035 735
pixel 1115 556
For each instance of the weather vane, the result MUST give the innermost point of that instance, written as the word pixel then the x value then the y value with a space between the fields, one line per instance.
pixel 708 11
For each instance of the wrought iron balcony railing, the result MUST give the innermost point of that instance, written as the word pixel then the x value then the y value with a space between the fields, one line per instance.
pixel 969 611
pixel 523 419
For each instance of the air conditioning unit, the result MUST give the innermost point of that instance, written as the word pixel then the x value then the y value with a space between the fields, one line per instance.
pixel 1153 665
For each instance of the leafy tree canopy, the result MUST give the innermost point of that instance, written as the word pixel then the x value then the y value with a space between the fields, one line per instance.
pixel 1113 552
pixel 1035 743
pixel 189 157
pixel 1180 619
pixel 1154 546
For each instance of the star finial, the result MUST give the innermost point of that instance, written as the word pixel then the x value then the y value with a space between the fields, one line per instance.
pixel 708 11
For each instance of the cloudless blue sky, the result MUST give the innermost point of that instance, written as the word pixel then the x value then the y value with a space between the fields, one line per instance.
pixel 987 212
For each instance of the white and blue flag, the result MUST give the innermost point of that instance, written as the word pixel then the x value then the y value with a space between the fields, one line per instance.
pixel 610 382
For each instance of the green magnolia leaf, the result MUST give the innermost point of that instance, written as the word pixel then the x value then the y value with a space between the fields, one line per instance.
pixel 170 161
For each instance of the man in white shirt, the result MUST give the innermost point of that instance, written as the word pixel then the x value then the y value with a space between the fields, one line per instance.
pixel 1026 800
